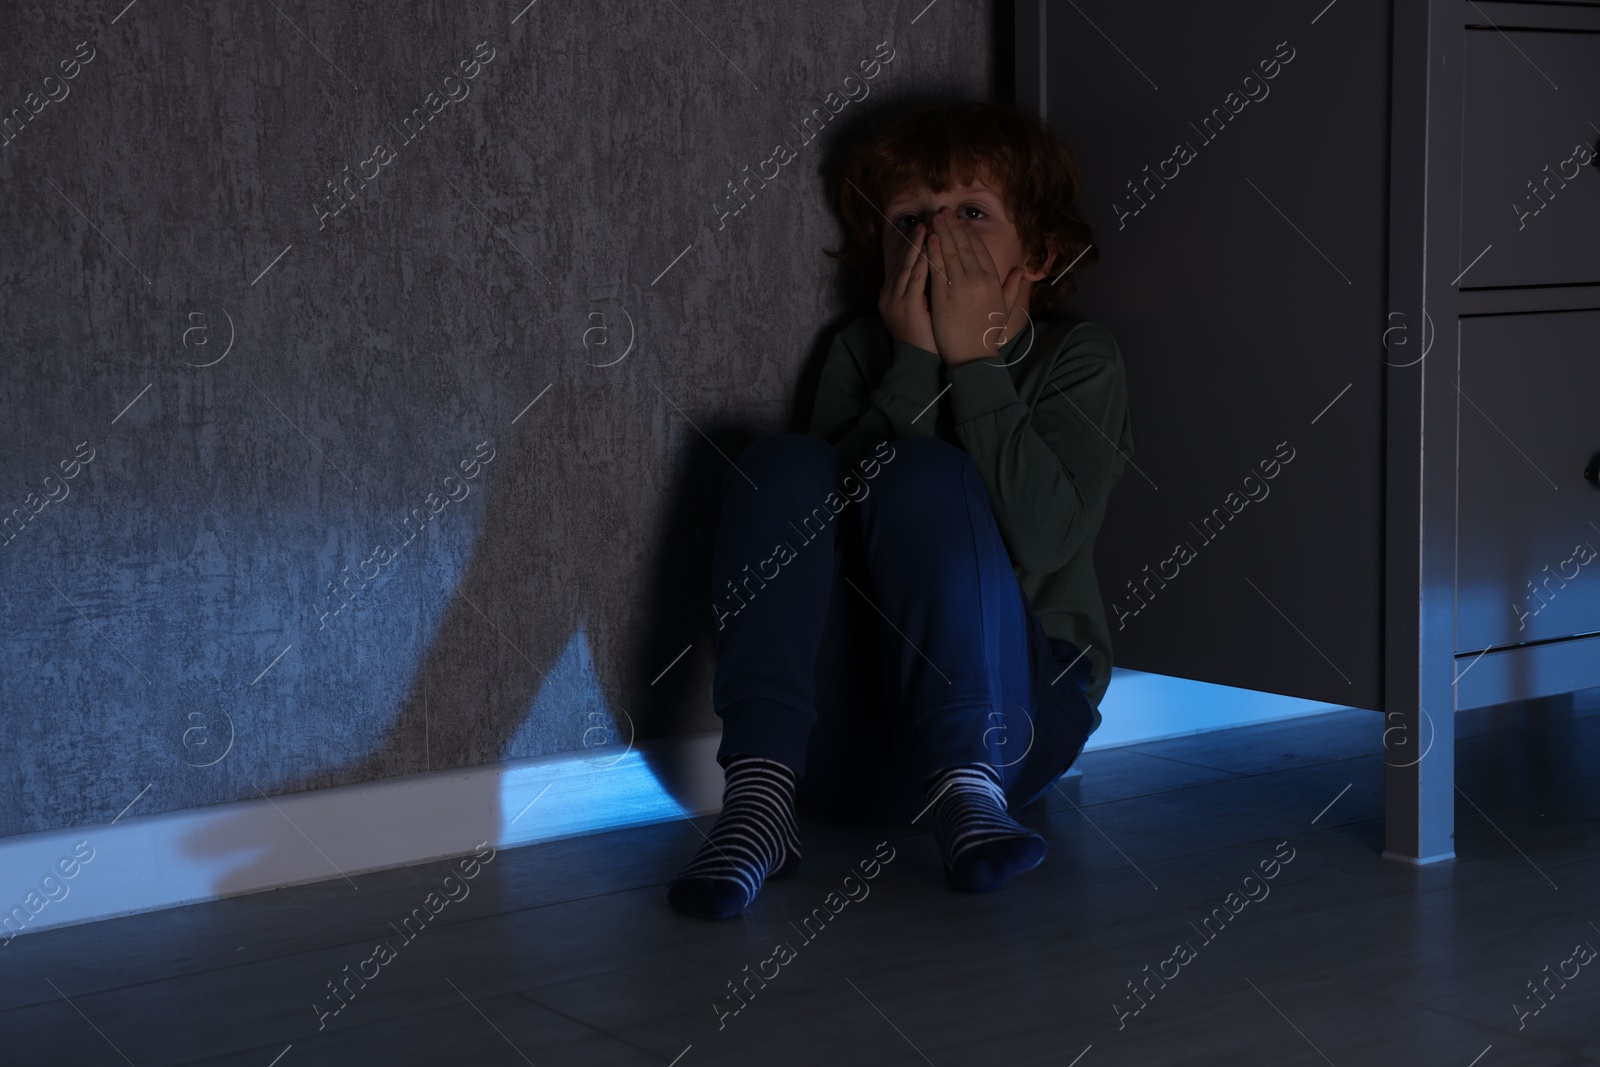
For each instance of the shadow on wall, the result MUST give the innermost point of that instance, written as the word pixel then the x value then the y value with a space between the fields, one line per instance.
pixel 502 678
pixel 468 665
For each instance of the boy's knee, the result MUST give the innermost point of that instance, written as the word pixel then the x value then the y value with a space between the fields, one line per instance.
pixel 789 451
pixel 923 468
pixel 794 458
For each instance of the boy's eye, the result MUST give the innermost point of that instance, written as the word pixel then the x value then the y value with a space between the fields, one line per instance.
pixel 909 222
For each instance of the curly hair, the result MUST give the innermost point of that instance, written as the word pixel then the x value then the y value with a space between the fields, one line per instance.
pixel 942 144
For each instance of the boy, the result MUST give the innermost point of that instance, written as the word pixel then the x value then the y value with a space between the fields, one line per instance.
pixel 943 645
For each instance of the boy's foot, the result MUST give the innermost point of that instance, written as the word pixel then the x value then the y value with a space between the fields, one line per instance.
pixel 981 844
pixel 755 838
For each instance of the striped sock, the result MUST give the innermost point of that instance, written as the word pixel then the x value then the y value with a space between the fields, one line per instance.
pixel 753 839
pixel 982 846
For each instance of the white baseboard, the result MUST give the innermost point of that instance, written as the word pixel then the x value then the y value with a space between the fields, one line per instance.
pixel 142 863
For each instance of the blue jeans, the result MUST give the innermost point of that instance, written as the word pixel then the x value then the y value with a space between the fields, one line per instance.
pixel 871 631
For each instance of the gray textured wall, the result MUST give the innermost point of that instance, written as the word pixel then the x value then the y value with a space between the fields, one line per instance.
pixel 268 389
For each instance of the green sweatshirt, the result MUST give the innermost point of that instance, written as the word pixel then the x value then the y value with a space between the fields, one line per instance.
pixel 1050 434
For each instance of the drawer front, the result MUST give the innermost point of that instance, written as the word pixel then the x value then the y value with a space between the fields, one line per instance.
pixel 1528 558
pixel 1530 190
pixel 1527 673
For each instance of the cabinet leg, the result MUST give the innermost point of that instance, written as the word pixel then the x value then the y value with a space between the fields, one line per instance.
pixel 1419 755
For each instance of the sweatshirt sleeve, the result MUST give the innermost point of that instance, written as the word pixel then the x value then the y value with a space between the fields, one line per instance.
pixel 854 416
pixel 1049 470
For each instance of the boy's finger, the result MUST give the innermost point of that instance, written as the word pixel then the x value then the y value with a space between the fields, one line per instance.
pixel 951 237
pixel 941 251
pixel 900 270
pixel 972 258
pixel 916 256
pixel 1009 290
pixel 893 262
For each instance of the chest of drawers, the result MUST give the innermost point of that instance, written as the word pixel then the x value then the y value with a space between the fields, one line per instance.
pixel 1382 246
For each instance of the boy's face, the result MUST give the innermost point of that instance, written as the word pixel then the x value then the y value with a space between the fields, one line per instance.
pixel 987 217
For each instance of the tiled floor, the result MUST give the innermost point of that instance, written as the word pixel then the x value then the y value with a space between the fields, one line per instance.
pixel 566 953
